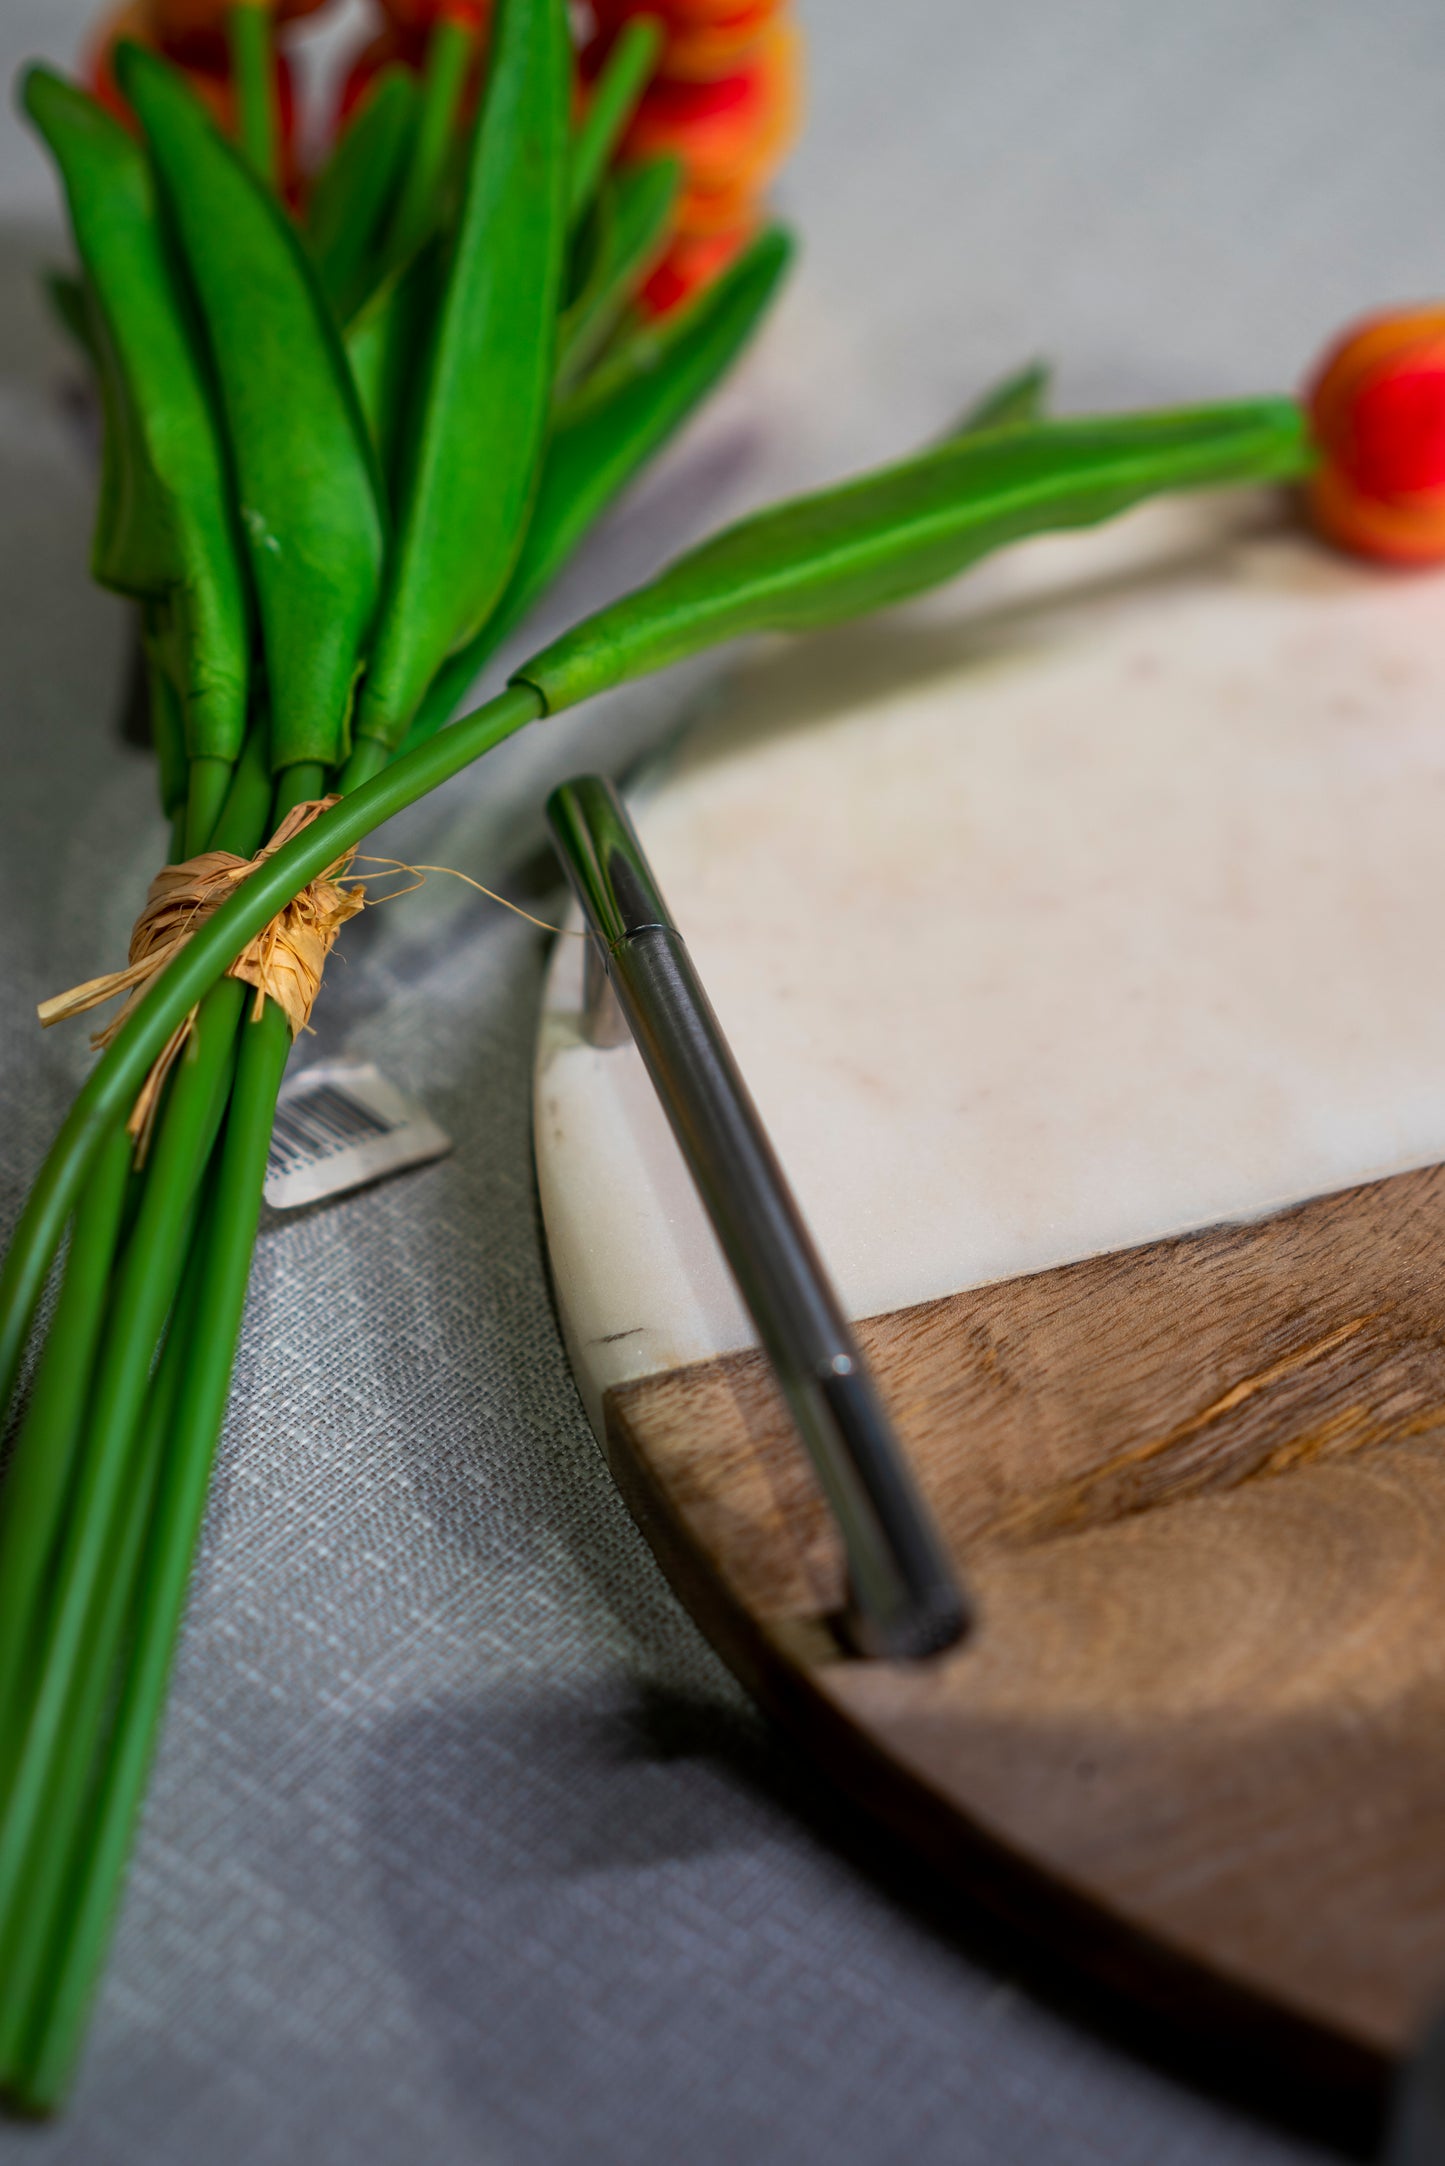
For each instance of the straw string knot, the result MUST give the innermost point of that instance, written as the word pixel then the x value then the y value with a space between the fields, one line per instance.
pixel 284 962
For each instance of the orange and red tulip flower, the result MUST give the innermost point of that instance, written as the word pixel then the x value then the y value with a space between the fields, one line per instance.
pixel 1377 406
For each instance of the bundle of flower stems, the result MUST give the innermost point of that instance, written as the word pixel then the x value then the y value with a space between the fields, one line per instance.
pixel 345 450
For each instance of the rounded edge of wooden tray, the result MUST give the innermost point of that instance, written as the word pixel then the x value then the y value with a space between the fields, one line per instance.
pixel 1162 1998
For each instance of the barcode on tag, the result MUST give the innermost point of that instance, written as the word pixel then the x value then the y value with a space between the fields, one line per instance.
pixel 339 1125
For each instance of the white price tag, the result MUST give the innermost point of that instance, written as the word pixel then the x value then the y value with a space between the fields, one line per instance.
pixel 339 1125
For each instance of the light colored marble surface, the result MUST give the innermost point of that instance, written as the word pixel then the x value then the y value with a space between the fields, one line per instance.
pixel 1099 900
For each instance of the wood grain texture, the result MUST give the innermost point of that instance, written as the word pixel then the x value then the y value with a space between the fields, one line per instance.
pixel 1199 1738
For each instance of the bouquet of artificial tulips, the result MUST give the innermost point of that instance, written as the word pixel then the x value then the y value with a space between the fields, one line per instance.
pixel 354 424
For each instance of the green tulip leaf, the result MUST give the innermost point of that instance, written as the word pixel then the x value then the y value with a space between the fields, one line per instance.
pixel 352 197
pixel 591 459
pixel 309 494
pixel 895 533
pixel 471 464
pixel 635 214
pixel 165 531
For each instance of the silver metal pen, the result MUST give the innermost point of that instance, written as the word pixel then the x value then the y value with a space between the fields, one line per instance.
pixel 906 1599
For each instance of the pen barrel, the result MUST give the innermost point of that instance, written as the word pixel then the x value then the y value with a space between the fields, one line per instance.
pixel 906 1601
pixel 902 1579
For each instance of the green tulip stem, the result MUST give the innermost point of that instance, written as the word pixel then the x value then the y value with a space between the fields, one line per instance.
pixel 42 1466
pixel 242 826
pixel 35 1919
pixel 449 53
pixel 625 74
pixel 110 1089
pixel 210 782
pixel 143 1290
pixel 76 1955
pixel 258 123
pixel 35 1933
pixel 368 756
pixel 299 784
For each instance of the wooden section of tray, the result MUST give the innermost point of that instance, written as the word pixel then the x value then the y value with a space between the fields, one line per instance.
pixel 1199 1489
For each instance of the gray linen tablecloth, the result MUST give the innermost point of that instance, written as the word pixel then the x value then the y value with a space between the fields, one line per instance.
pixel 462 1845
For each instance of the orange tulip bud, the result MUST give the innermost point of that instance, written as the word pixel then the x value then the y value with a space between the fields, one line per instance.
pixel 680 14
pixel 691 262
pixel 730 131
pixel 700 55
pixel 704 211
pixel 1377 407
pixel 700 43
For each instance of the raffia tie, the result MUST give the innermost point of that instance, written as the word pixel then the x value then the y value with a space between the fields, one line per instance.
pixel 284 962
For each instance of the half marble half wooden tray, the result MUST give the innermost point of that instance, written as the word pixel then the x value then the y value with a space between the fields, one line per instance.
pixel 1082 938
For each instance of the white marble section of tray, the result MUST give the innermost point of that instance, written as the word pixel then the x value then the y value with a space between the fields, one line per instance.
pixel 1102 899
